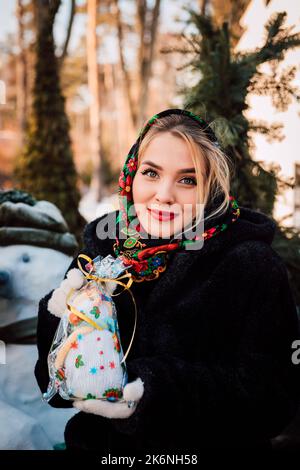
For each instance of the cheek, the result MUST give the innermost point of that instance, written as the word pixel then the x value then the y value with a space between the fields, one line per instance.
pixel 135 189
pixel 140 190
pixel 188 201
pixel 187 197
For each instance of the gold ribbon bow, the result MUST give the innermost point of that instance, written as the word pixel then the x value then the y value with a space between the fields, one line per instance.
pixel 103 279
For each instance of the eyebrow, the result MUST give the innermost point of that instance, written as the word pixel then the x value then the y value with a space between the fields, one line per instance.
pixel 183 170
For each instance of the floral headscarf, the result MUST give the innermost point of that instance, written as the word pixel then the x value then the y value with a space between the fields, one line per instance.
pixel 146 257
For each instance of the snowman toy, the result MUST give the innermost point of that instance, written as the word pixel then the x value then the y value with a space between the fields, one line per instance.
pixel 86 359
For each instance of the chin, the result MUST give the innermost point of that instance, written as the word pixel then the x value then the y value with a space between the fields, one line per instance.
pixel 158 229
pixel 161 234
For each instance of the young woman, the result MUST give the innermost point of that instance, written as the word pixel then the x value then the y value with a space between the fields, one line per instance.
pixel 211 357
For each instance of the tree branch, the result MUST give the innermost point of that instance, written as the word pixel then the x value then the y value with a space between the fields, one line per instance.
pixel 67 40
pixel 122 62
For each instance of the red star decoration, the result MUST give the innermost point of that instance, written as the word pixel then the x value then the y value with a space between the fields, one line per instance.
pixel 74 345
pixel 112 365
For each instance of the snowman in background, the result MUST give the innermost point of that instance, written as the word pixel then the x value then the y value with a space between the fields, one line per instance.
pixel 36 249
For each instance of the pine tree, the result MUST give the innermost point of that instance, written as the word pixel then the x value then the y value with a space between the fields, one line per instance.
pixel 45 168
pixel 226 77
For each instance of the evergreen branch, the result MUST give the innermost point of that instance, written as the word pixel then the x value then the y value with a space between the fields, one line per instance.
pixel 274 168
pixel 192 42
pixel 274 25
pixel 277 86
pixel 173 49
pixel 271 131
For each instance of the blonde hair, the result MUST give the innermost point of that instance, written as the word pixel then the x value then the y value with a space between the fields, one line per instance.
pixel 213 168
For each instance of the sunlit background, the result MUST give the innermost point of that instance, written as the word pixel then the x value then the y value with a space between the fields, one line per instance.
pixel 117 129
pixel 78 79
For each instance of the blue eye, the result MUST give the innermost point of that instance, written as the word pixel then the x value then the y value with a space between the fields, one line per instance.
pixel 145 172
pixel 148 171
pixel 25 258
pixel 192 183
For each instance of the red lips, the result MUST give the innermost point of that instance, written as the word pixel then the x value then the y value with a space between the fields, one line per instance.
pixel 162 215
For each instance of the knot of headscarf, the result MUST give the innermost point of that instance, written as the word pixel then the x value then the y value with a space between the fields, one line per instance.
pixel 146 257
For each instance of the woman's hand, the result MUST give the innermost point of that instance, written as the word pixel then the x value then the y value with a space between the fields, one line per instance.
pixel 132 394
pixel 58 301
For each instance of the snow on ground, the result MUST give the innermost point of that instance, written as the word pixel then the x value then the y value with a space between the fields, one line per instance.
pixel 90 209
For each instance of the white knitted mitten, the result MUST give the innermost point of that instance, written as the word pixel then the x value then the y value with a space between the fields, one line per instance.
pixel 58 301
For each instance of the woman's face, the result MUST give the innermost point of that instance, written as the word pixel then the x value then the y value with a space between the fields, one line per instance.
pixel 164 187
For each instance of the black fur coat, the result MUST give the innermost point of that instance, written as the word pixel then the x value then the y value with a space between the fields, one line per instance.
pixel 213 347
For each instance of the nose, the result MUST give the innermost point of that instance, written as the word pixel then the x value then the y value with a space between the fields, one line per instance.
pixel 5 284
pixel 4 278
pixel 164 193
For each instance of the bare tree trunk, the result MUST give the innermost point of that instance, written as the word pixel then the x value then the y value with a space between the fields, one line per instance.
pixel 141 16
pixel 202 6
pixel 69 30
pixel 147 65
pixel 231 12
pixel 146 27
pixel 123 64
pixel 94 111
pixel 22 88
